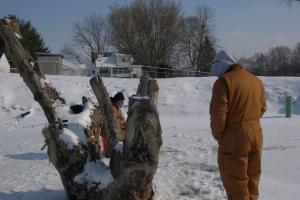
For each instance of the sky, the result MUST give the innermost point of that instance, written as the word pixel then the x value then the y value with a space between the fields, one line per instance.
pixel 241 27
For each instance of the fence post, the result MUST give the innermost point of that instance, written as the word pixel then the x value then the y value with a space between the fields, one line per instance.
pixel 288 106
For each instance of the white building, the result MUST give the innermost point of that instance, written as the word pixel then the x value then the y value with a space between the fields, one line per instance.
pixel 56 64
pixel 116 65
pixel 4 65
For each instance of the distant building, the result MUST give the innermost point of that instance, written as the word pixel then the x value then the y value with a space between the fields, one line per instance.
pixel 50 63
pixel 55 64
pixel 4 65
pixel 90 69
pixel 115 65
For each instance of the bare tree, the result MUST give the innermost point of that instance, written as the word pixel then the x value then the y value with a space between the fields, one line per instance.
pixel 72 53
pixel 261 63
pixel 146 29
pixel 257 64
pixel 295 60
pixel 133 163
pixel 290 2
pixel 279 60
pixel 197 37
pixel 90 35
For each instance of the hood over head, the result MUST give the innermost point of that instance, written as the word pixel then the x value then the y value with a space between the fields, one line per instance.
pixel 118 97
pixel 221 63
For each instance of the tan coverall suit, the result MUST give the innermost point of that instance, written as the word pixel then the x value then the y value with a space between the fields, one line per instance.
pixel 121 120
pixel 237 104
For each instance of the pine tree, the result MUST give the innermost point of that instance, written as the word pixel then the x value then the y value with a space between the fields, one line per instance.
pixel 2 46
pixel 207 54
pixel 31 39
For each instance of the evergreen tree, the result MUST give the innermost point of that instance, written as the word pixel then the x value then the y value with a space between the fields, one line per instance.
pixel 31 39
pixel 2 46
pixel 207 54
pixel 197 39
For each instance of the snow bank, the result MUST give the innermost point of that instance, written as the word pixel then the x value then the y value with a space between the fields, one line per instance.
pixel 187 167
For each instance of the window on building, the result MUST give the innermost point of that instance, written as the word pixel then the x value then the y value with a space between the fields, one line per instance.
pixel 104 70
pixel 126 70
pixel 121 70
pixel 115 70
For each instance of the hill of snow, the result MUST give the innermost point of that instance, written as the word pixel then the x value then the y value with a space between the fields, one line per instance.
pixel 187 168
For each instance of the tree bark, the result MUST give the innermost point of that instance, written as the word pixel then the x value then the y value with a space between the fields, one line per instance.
pixel 133 162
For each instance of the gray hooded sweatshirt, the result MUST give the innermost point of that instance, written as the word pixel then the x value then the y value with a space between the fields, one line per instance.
pixel 221 63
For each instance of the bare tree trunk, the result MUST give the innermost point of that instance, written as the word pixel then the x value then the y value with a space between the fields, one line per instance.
pixel 133 162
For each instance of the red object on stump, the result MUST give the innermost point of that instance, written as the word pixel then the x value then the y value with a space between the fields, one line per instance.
pixel 105 146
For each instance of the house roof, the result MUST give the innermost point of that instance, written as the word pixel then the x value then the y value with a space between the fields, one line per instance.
pixel 48 54
pixel 114 60
pixel 106 61
pixel 69 64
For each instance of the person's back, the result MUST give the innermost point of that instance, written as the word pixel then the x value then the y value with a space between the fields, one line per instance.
pixel 237 104
pixel 245 93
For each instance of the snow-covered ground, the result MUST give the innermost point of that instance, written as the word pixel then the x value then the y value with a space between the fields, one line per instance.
pixel 187 168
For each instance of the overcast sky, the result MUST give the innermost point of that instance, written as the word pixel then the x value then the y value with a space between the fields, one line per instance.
pixel 242 27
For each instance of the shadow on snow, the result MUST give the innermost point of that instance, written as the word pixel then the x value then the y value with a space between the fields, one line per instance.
pixel 44 194
pixel 28 156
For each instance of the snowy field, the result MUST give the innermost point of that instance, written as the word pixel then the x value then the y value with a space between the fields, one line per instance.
pixel 187 168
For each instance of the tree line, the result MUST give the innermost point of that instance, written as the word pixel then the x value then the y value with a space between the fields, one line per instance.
pixel 278 61
pixel 155 32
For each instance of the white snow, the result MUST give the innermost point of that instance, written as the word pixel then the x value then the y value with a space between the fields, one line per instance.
pixel 140 98
pixel 4 65
pixel 95 174
pixel 74 132
pixel 187 168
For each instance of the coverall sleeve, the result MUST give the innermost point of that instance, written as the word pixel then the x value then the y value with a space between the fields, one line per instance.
pixel 218 108
pixel 264 104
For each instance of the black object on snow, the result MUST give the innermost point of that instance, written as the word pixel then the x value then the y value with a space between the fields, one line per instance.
pixel 118 97
pixel 25 113
pixel 78 108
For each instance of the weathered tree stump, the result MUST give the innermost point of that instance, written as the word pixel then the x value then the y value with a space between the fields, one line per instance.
pixel 74 149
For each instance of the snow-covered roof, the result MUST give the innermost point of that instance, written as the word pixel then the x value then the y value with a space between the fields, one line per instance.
pixel 115 59
pixel 106 61
pixel 69 64
pixel 49 54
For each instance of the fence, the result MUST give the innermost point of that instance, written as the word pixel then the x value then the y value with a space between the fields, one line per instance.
pixel 161 72
pixel 154 72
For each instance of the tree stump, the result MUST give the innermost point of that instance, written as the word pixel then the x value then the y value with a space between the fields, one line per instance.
pixel 73 146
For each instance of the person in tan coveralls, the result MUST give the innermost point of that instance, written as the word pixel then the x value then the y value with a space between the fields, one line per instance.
pixel 117 102
pixel 237 104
